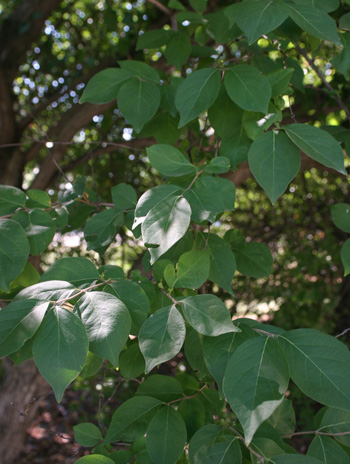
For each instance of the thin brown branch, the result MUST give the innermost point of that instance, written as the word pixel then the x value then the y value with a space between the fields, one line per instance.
pixel 316 432
pixel 333 92
pixel 343 333
pixel 188 397
pixel 260 458
pixel 160 6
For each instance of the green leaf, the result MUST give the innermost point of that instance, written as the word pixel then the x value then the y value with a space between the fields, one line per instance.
pixel 293 459
pixel 60 348
pixel 196 94
pixel 169 161
pixel 109 271
pixel 94 459
pixel 342 61
pixel 124 196
pixel 152 198
pixel 226 452
pixel 255 382
pixel 210 197
pixel 248 88
pixel 131 419
pixel 165 224
pixel 341 216
pixel 178 49
pixel 325 5
pixel 208 315
pixel 176 5
pixel 192 269
pixel 107 323
pixel 222 262
pixel 314 21
pixel 153 39
pixel 77 271
pixel 199 5
pixel 218 165
pixel 283 419
pixel 194 352
pixel 258 18
pixel 39 228
pixel 224 115
pixel 103 87
pixel 345 256
pixel 318 359
pixel 87 434
pixel 317 144
pixel 134 298
pixel 11 198
pixel 193 413
pixel 100 230
pixel 138 101
pixel 161 336
pixel 29 276
pixel 14 251
pixel 253 259
pixel 203 437
pixel 53 290
pixel 218 350
pixel 38 199
pixel 19 321
pixel 279 81
pixel 166 436
pixel 327 450
pixel 337 421
pixel 92 366
pixel 162 387
pixel 141 70
pixel 191 16
pixel 131 361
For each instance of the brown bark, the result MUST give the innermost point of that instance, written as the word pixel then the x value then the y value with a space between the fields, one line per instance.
pixel 18 390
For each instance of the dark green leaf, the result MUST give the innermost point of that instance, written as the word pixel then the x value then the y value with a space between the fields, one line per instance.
pixel 60 348
pixel 169 161
pixel 253 259
pixel 218 350
pixel 279 81
pixel 316 359
pixel 104 86
pixel 208 315
pixel 53 290
pixel 134 298
pixel 11 198
pixel 283 419
pixel 327 450
pixel 325 5
pixel 345 257
pixel 258 18
pixel 166 436
pixel 342 61
pixel 341 216
pixel 77 271
pixel 94 459
pixel 138 101
pixel 162 387
pixel 141 70
pixel 107 323
pixel 124 196
pixel 87 434
pixel 29 276
pixel 131 419
pixel 193 413
pixel 255 382
pixel 92 366
pixel 38 199
pixel 337 421
pixel 226 452
pixel 203 437
pixel 318 144
pixel 101 229
pixel 161 336
pixel 314 21
pixel 178 49
pixel 19 321
pixel 14 251
pixel 153 39
pixel 165 224
pixel 39 228
pixel 218 165
pixel 222 262
pixel 131 361
pixel 224 115
pixel 196 94
pixel 294 459
pixel 248 88
pixel 192 269
pixel 194 352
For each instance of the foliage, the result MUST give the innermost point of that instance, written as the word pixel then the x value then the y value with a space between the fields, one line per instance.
pixel 232 79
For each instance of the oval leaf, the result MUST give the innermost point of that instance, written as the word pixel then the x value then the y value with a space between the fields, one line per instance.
pixel 11 198
pixel 87 434
pixel 169 161
pixel 77 271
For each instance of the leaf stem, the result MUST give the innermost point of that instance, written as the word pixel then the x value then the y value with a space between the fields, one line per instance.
pixel 188 397
pixel 260 458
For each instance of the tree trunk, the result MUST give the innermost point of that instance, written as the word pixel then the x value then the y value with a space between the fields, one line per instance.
pixel 18 391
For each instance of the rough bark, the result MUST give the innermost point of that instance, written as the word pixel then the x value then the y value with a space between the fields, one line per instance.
pixel 18 390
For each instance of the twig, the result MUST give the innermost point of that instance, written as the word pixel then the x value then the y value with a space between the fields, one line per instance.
pixel 332 91
pixel 315 432
pixel 343 333
pixel 207 239
pixel 198 173
pixel 188 397
pixel 260 458
pixel 169 296
pixel 84 290
pixel 264 332
pixel 160 6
